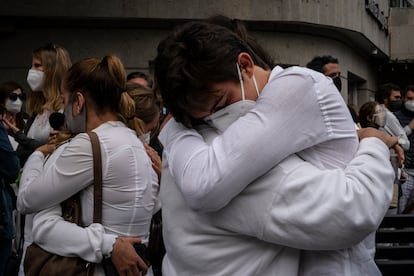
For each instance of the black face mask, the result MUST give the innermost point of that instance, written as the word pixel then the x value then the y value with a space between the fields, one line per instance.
pixel 338 83
pixel 394 106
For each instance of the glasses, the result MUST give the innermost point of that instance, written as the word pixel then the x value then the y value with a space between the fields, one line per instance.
pixel 13 96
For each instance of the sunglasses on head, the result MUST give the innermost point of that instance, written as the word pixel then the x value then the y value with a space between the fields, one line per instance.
pixel 51 47
pixel 13 96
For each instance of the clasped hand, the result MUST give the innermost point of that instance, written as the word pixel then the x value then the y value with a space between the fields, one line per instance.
pixel 390 141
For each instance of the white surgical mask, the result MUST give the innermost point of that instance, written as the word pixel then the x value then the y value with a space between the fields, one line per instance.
pixel 409 105
pixel 223 118
pixel 146 137
pixel 14 106
pixel 379 119
pixel 35 79
pixel 76 124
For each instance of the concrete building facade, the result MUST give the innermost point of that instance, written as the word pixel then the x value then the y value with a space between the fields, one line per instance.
pixel 357 32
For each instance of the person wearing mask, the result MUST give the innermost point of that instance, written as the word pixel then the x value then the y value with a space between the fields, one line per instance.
pixel 215 176
pixel 389 96
pixel 49 64
pixel 329 66
pixel 9 170
pixel 406 117
pixel 13 93
pixel 95 100
pixel 372 114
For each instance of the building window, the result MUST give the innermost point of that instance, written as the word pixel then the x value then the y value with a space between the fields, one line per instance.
pixel 401 3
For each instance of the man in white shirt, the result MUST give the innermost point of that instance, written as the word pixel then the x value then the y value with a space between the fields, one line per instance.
pixel 389 96
pixel 296 112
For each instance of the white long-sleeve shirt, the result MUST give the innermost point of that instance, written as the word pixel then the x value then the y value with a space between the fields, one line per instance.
pixel 394 128
pixel 299 110
pixel 294 206
pixel 129 193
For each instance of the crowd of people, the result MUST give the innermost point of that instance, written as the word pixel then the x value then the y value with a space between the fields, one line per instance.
pixel 255 169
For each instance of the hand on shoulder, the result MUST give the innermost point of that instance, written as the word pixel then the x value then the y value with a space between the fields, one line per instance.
pixel 389 140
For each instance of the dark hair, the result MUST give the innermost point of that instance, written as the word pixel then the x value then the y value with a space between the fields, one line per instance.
pixel 407 88
pixel 384 91
pixel 354 114
pixel 102 81
pixel 366 111
pixel 318 62
pixel 138 74
pixel 5 89
pixel 191 60
pixel 237 26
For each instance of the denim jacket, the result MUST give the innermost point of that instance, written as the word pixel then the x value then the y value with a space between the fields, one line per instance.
pixel 9 170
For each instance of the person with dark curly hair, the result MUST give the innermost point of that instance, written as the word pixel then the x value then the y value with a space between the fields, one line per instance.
pixel 243 153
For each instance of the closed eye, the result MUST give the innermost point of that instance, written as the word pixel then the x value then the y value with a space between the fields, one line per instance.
pixel 217 102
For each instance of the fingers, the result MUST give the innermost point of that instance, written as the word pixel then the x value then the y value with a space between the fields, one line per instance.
pixel 46 149
pixel 142 266
pixel 157 170
pixel 400 153
pixel 150 150
pixel 155 158
pixel 139 263
pixel 133 271
pixel 125 258
pixel 389 140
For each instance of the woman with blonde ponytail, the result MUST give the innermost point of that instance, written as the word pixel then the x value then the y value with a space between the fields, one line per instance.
pixel 95 99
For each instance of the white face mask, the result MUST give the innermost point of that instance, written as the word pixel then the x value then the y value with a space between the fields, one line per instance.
pixel 14 106
pixel 223 118
pixel 35 79
pixel 379 119
pixel 409 105
pixel 76 124
pixel 146 137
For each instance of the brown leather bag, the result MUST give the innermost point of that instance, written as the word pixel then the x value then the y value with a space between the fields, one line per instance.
pixel 39 262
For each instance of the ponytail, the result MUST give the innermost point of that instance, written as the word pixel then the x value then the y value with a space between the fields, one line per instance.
pixel 126 108
pixel 104 82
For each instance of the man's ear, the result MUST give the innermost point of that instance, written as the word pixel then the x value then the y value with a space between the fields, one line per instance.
pixel 246 64
pixel 78 103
